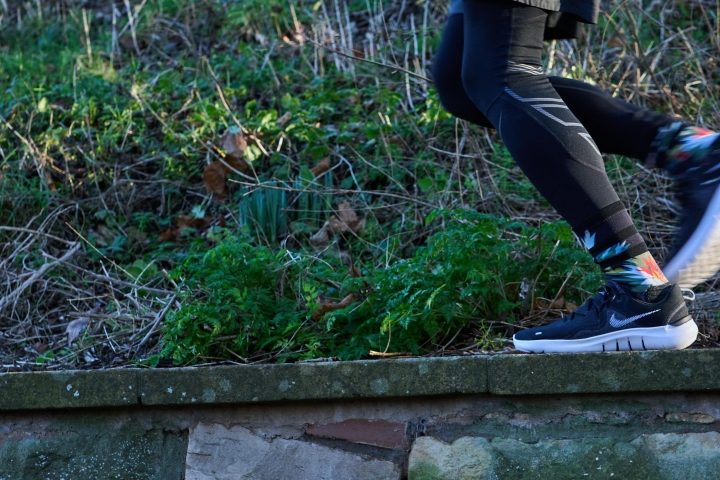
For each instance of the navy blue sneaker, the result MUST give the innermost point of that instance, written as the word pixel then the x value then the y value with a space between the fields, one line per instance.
pixel 614 320
pixel 695 254
pixel 691 155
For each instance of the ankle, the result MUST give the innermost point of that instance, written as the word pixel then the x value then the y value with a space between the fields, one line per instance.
pixel 637 274
pixel 678 145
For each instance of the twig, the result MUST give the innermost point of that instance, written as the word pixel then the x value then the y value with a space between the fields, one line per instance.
pixel 13 296
pixel 156 321
pixel 373 62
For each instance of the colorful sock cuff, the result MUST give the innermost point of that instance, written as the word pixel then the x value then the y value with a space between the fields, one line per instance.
pixel 678 147
pixel 611 236
pixel 690 150
pixel 662 143
pixel 638 273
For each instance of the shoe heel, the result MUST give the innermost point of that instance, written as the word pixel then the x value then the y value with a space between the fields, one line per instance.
pixel 671 337
pixel 685 319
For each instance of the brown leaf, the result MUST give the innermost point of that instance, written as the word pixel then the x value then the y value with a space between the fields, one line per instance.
pixel 328 306
pixel 214 178
pixel 182 222
pixel 168 235
pixel 322 167
pixel 558 304
pixel 237 164
pixel 186 221
pixel 75 328
pixel 615 42
pixel 345 220
pixel 320 237
pixel 234 144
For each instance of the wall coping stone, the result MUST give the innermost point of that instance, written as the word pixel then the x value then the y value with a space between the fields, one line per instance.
pixel 500 374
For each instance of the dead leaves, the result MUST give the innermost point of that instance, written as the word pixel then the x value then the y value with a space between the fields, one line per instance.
pixel 184 223
pixel 214 176
pixel 345 220
pixel 543 304
pixel 75 328
pixel 325 305
pixel 233 145
pixel 322 167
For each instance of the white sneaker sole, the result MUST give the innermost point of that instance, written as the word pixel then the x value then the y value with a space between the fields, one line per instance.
pixel 667 337
pixel 699 259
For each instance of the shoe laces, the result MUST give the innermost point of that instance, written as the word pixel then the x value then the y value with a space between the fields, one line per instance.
pixel 596 303
pixel 688 294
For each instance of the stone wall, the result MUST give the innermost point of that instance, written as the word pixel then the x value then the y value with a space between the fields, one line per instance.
pixel 618 415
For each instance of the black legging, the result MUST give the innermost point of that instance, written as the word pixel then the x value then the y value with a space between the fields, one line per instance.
pixel 616 125
pixel 488 71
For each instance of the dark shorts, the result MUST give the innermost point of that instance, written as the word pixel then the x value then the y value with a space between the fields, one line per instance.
pixel 565 19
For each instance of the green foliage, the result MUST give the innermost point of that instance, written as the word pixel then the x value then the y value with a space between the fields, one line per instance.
pixel 469 273
pixel 236 303
pixel 247 301
pixel 263 211
pixel 267 214
pixel 311 206
pixel 19 195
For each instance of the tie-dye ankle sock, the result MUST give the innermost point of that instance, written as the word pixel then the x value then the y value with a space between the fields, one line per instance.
pixel 638 273
pixel 615 244
pixel 679 147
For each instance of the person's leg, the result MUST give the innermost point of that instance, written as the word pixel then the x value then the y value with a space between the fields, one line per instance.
pixel 446 73
pixel 690 155
pixel 622 128
pixel 616 126
pixel 502 76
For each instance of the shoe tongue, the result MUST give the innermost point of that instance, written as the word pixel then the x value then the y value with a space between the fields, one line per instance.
pixel 615 287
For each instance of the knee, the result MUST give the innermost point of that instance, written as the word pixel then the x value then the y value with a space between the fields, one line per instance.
pixel 478 82
pixel 448 85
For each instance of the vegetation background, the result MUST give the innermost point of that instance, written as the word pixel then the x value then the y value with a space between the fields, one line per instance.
pixel 275 180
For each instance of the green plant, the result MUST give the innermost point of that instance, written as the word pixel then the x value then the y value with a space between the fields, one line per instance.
pixel 311 205
pixel 242 300
pixel 263 212
pixel 236 302
pixel 468 274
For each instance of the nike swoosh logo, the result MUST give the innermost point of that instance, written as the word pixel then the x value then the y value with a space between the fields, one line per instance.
pixel 617 323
